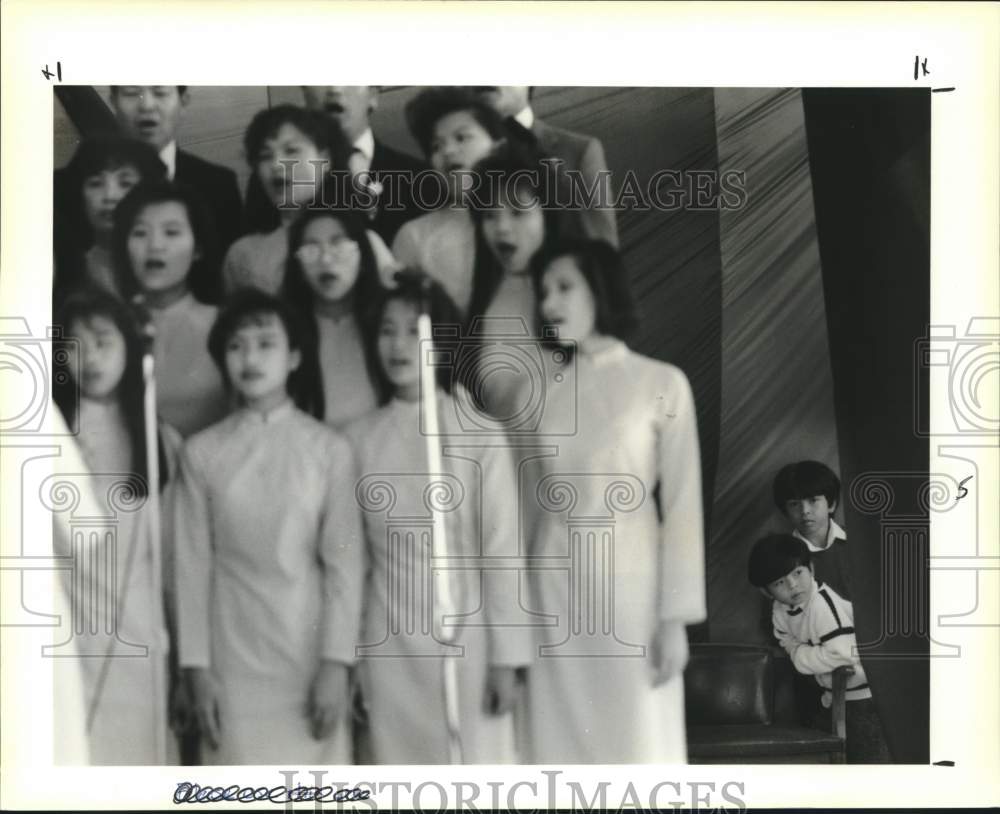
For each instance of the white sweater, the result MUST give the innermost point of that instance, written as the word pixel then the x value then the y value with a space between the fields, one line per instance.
pixel 818 636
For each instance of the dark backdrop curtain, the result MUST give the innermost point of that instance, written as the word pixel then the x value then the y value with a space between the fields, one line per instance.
pixel 869 152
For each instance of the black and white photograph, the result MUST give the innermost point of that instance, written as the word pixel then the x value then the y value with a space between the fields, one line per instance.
pixel 431 425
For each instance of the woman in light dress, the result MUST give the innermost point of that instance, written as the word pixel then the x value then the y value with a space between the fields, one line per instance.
pixel 606 685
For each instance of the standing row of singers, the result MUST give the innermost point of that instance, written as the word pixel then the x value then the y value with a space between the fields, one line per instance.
pixel 292 445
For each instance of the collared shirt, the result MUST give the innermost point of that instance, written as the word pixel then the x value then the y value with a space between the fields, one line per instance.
pixel 278 413
pixel 526 117
pixel 835 532
pixel 365 146
pixel 819 637
pixel 168 155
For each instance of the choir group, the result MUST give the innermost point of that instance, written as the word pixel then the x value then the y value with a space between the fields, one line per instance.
pixel 297 613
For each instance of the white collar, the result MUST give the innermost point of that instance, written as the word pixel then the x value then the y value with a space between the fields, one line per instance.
pixel 168 155
pixel 835 532
pixel 282 412
pixel 366 144
pixel 526 118
pixel 609 351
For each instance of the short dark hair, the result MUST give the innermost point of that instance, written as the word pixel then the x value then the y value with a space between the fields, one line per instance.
pixel 204 270
pixel 419 289
pixel 313 124
pixel 805 479
pixel 602 267
pixel 774 556
pixel 109 152
pixel 429 106
pixel 249 304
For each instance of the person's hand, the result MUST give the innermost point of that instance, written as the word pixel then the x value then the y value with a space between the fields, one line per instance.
pixel 359 707
pixel 182 715
pixel 668 651
pixel 205 696
pixel 501 690
pixel 328 697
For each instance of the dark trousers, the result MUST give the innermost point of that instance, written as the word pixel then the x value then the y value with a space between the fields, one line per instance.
pixel 865 738
pixel 866 741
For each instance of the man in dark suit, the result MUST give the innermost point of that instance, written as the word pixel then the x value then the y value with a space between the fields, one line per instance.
pixel 153 114
pixel 581 155
pixel 350 108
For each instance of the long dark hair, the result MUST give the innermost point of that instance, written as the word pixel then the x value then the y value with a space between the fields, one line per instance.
pixel 510 164
pixel 300 295
pixel 85 304
pixel 202 277
pixel 249 304
pixel 421 291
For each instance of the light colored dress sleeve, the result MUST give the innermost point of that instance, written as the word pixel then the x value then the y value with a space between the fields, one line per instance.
pixel 406 246
pixel 172 443
pixel 385 262
pixel 233 267
pixel 193 555
pixel 598 222
pixel 682 561
pixel 342 555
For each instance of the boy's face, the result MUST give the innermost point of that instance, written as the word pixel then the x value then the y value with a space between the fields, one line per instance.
pixel 149 113
pixel 794 587
pixel 348 106
pixel 810 516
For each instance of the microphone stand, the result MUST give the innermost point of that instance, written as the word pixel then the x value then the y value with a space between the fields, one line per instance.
pixel 428 397
pixel 148 333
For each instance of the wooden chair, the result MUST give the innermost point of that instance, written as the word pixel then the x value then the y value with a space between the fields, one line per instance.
pixel 740 708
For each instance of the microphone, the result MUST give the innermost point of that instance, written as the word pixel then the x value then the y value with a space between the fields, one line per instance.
pixel 144 323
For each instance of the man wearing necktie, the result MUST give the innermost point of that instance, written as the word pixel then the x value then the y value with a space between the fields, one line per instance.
pixel 389 171
pixel 578 153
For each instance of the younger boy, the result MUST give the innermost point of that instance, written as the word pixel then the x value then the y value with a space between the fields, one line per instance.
pixel 807 493
pixel 815 626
